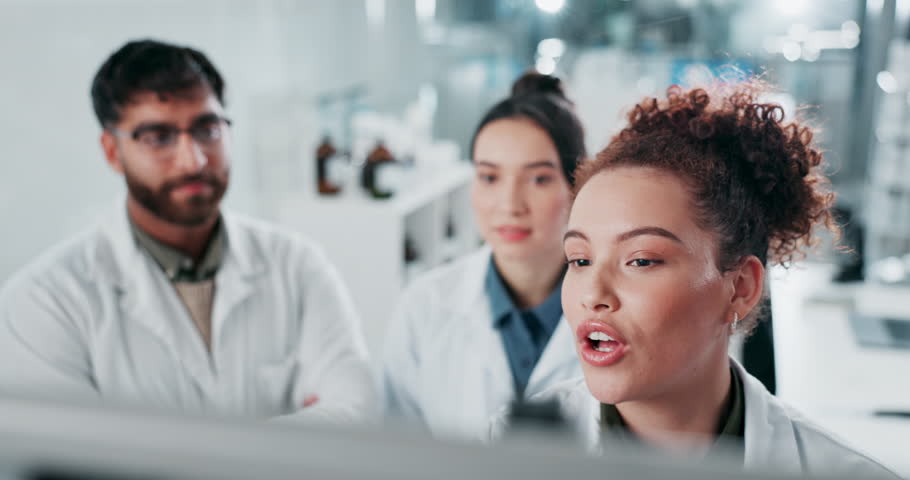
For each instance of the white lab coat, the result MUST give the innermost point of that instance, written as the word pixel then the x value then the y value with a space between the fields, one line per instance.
pixel 444 363
pixel 778 439
pixel 97 317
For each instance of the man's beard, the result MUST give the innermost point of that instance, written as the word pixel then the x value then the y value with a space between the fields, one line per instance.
pixel 195 211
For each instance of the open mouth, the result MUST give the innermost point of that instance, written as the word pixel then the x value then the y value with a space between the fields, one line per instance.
pixel 602 342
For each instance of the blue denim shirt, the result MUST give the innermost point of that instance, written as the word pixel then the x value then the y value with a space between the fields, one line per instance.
pixel 525 333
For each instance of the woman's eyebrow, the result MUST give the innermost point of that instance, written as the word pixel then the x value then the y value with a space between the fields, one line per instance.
pixel 574 234
pixel 541 163
pixel 658 231
pixel 485 163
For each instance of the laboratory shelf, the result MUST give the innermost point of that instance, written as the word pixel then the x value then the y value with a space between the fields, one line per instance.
pixel 365 237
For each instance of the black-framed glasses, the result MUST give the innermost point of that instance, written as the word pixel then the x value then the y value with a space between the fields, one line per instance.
pixel 207 131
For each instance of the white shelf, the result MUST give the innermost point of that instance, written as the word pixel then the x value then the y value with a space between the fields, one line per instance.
pixel 364 237
pixel 450 249
pixel 427 186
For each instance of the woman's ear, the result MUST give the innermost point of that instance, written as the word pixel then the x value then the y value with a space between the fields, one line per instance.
pixel 748 286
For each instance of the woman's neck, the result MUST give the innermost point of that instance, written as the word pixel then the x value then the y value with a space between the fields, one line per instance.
pixel 684 420
pixel 531 280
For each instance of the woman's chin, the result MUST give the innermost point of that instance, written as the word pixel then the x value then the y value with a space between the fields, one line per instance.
pixel 515 252
pixel 605 389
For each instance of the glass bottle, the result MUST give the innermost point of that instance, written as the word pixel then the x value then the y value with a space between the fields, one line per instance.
pixel 324 154
pixel 379 157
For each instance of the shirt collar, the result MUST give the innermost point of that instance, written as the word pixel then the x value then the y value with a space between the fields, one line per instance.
pixel 500 299
pixel 734 416
pixel 178 266
pixel 548 313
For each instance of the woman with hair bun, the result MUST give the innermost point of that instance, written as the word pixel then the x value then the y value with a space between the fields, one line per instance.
pixel 671 230
pixel 471 337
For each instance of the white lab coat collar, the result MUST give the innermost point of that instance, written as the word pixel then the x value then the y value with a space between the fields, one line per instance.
pixel 240 254
pixel 470 295
pixel 777 439
pixel 473 305
pixel 770 434
pixel 770 438
pixel 143 287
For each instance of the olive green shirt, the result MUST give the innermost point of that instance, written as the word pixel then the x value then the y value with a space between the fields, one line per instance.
pixel 179 267
pixel 731 425
pixel 193 281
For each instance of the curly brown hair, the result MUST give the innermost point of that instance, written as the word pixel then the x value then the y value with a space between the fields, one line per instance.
pixel 756 180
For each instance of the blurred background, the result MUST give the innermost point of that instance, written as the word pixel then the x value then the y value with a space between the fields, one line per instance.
pixel 327 82
pixel 357 70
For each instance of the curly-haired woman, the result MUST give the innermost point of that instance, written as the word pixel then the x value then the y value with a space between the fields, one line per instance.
pixel 671 230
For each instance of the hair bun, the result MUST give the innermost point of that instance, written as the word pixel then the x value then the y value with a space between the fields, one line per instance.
pixel 534 82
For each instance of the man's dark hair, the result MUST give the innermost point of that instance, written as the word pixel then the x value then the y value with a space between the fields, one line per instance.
pixel 150 66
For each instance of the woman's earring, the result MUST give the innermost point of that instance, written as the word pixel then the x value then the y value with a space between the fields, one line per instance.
pixel 735 320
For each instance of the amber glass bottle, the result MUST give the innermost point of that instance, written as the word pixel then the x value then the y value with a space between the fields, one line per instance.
pixel 324 154
pixel 378 158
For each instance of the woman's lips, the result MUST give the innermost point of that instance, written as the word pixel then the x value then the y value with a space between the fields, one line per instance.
pixel 599 344
pixel 513 233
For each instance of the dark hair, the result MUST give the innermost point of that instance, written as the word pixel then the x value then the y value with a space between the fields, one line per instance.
pixel 756 180
pixel 541 99
pixel 149 66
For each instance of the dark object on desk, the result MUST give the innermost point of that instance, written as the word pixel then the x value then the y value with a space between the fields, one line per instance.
pixel 537 416
pixel 878 332
pixel 898 329
pixel 70 473
pixel 893 413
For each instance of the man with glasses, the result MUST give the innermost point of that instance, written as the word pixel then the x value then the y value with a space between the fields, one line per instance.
pixel 171 301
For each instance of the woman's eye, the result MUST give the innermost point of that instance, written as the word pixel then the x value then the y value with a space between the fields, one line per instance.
pixel 543 179
pixel 580 262
pixel 486 178
pixel 644 262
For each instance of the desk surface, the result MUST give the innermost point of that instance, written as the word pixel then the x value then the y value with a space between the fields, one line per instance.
pixel 825 373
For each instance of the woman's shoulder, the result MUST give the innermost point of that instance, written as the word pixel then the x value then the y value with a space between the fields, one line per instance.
pixel 460 276
pixel 435 302
pixel 571 394
pixel 824 452
pixel 579 408
pixel 778 433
